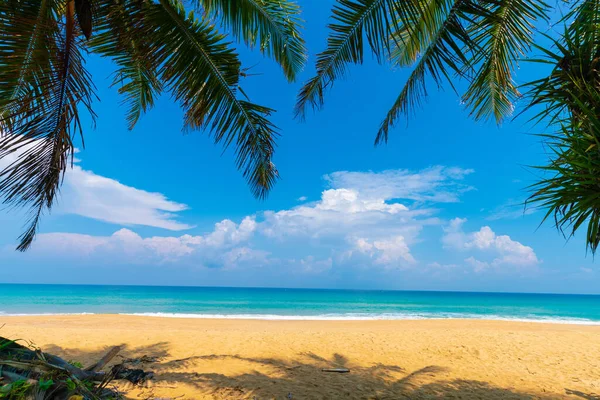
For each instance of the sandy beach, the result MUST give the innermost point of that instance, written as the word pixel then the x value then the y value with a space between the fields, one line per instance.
pixel 251 359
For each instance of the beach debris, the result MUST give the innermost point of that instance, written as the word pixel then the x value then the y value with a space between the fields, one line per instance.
pixel 104 360
pixel 145 359
pixel 338 370
pixel 28 373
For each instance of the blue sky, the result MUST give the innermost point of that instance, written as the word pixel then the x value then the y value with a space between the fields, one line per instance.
pixel 438 208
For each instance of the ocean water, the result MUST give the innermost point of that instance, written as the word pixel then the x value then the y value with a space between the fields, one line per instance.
pixel 259 303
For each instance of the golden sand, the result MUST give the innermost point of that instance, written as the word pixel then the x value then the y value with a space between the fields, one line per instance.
pixel 249 359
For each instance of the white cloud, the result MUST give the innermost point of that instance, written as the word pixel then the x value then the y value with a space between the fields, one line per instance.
pixel 438 266
pixel 437 184
pixel 302 198
pixel 391 252
pixel 349 226
pixel 87 194
pixel 478 266
pixel 367 208
pixel 512 209
pixel 363 204
pixel 90 195
pixel 313 265
pixel 243 255
pixel 504 249
pixel 126 243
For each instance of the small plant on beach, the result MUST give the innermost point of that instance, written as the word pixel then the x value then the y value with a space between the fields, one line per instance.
pixel 163 46
pixel 76 364
pixel 476 45
pixel 27 372
pixel 17 390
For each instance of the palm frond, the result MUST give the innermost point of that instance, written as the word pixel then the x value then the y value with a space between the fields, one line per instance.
pixel 120 37
pixel 571 194
pixel 441 46
pixel 28 28
pixel 355 20
pixel 569 99
pixel 584 18
pixel 202 71
pixel 273 24
pixel 84 9
pixel 504 34
pixel 414 36
pixel 40 131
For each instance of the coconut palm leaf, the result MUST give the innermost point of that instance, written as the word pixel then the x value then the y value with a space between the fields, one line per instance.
pixel 571 195
pixel 156 46
pixel 202 71
pixel 28 29
pixel 442 47
pixel 120 37
pixel 355 20
pixel 42 128
pixel 272 24
pixel 504 34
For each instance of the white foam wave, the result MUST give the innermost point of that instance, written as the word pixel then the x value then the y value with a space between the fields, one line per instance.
pixel 4 314
pixel 370 317
pixel 338 317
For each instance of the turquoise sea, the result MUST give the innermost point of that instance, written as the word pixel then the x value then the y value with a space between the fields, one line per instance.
pixel 260 303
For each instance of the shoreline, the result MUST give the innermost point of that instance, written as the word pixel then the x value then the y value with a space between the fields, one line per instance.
pixel 315 318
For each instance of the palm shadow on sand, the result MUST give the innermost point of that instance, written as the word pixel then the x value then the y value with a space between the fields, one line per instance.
pixel 303 378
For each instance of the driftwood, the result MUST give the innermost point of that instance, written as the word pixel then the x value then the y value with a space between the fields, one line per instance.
pixel 338 370
pixel 32 366
pixel 104 360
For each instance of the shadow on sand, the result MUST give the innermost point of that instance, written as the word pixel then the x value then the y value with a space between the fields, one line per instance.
pixel 302 378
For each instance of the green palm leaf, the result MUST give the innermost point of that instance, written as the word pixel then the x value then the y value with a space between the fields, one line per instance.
pixel 203 72
pixel 120 37
pixel 41 130
pixel 156 47
pixel 273 24
pixel 28 28
pixel 355 20
pixel 569 98
pixel 504 34
pixel 441 45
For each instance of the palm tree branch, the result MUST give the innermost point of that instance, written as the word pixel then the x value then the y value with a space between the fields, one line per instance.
pixel 275 24
pixel 354 18
pixel 203 73
pixel 504 34
pixel 444 52
pixel 41 136
pixel 119 37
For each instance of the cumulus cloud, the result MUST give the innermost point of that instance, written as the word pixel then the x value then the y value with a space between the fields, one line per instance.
pixel 94 196
pixel 126 243
pixel 505 250
pixel 355 222
pixel 378 215
pixel 386 252
pixel 478 266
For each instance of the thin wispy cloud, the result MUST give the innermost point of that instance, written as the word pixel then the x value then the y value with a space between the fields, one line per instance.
pixel 436 184
pixel 90 195
pixel 94 196
pixel 511 209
